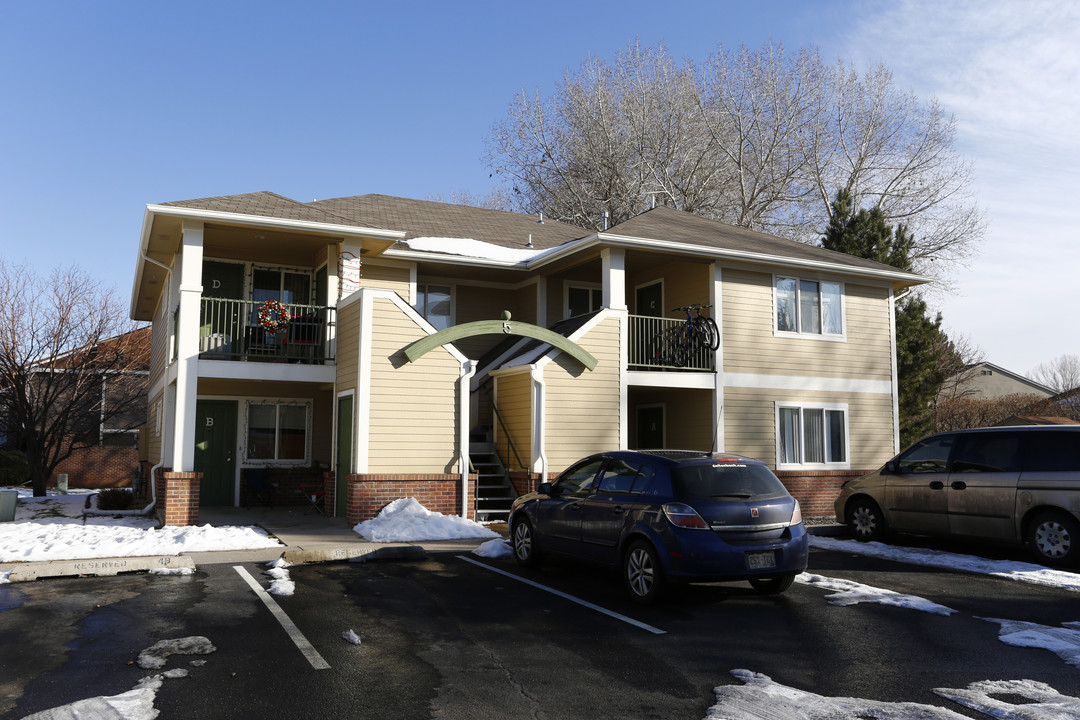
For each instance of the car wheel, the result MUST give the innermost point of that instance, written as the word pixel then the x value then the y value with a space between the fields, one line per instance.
pixel 865 519
pixel 642 574
pixel 773 585
pixel 524 543
pixel 1055 537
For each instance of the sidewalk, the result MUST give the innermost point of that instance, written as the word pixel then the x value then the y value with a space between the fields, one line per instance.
pixel 305 538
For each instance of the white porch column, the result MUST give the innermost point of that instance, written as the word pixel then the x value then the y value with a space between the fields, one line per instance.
pixel 716 299
pixel 187 346
pixel 614 274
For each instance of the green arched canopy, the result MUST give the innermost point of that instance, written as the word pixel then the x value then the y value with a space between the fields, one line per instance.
pixel 499 327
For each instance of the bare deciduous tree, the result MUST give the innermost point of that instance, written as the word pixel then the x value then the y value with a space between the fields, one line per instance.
pixel 68 362
pixel 762 139
pixel 1060 374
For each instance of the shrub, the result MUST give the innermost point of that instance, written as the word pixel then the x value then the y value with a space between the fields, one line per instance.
pixel 115 499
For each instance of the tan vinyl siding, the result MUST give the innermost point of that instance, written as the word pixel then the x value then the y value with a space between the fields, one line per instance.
pixel 515 408
pixel 348 345
pixel 155 428
pixel 413 406
pixel 684 284
pixel 751 347
pixel 472 303
pixel 750 427
pixel 389 277
pixel 159 343
pixel 687 416
pixel 582 407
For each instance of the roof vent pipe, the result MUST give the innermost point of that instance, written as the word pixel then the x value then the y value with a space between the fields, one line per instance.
pixel 529 244
pixel 604 215
pixel 541 217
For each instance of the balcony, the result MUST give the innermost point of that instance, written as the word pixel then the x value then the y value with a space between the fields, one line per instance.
pixel 230 330
pixel 665 344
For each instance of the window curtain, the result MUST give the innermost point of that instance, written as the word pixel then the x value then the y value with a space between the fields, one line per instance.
pixel 789 435
pixel 814 435
pixel 785 305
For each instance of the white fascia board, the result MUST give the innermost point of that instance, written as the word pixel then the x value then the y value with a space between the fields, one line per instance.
pixel 273 222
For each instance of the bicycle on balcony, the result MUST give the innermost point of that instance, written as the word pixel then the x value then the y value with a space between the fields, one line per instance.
pixel 696 335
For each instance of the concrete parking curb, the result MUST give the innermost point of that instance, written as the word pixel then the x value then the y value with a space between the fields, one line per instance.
pixel 92 567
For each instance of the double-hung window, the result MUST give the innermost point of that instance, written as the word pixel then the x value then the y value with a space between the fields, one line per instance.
pixel 278 430
pixel 810 435
pixel 809 307
pixel 433 302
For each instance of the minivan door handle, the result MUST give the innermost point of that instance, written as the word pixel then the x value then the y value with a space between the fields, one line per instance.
pixel 959 485
pixel 937 485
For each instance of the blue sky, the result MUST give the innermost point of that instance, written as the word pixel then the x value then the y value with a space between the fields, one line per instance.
pixel 108 106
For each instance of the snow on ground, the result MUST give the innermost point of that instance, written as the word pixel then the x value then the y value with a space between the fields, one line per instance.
pixel 1007 569
pixel 406 520
pixel 497 548
pixel 760 698
pixel 1065 641
pixel 54 528
pixel 849 592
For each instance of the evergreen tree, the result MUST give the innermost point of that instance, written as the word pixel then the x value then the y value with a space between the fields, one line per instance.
pixel 920 342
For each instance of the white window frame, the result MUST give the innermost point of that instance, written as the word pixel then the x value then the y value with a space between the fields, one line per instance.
pixel 590 286
pixel 421 288
pixel 799 333
pixel 802 407
pixel 275 461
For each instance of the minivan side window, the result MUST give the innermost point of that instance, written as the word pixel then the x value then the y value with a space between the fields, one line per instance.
pixel 987 452
pixel 1052 452
pixel 926 456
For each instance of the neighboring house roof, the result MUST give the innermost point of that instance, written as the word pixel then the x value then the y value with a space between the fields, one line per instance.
pixel 1035 420
pixel 425 218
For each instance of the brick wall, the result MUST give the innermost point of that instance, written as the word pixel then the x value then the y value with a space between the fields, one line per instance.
pixel 370 493
pixel 527 482
pixel 817 489
pixel 99 467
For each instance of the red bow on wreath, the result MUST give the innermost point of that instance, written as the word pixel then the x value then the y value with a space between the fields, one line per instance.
pixel 274 316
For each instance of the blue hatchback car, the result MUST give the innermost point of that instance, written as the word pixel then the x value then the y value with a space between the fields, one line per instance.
pixel 667 517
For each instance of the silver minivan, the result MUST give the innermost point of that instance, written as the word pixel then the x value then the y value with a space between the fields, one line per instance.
pixel 1016 484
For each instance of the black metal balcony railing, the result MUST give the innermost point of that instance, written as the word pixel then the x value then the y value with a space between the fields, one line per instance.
pixel 666 344
pixel 230 330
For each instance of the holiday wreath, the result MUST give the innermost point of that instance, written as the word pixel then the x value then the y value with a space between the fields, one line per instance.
pixel 274 316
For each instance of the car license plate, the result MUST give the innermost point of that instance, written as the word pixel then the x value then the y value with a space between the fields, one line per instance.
pixel 761 560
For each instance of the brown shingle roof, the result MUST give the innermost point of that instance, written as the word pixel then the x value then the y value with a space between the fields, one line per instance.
pixel 424 218
pixel 266 204
pixel 667 224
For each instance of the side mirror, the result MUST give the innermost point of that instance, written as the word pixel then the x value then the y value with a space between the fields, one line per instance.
pixel 544 488
pixel 890 467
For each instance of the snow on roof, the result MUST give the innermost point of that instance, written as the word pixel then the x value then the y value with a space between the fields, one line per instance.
pixel 467 247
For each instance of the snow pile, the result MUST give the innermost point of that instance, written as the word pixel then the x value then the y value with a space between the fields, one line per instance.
pixel 171 571
pixel 406 520
pixel 468 247
pixel 54 528
pixel 4 577
pixel 497 548
pixel 154 657
pixel 1007 569
pixel 350 637
pixel 281 583
pixel 1064 641
pixel 760 698
pixel 849 592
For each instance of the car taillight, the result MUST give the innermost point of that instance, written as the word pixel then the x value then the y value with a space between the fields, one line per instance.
pixel 796 516
pixel 684 516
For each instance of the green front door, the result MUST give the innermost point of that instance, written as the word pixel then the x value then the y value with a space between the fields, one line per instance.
pixel 343 464
pixel 215 450
pixel 221 325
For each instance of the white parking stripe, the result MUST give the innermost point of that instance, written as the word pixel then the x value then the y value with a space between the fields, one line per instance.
pixel 571 598
pixel 298 638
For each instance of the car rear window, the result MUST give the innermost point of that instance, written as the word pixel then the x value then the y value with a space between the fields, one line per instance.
pixel 721 481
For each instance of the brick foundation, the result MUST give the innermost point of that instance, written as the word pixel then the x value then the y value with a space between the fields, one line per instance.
pixel 181 497
pixel 371 492
pixel 817 489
